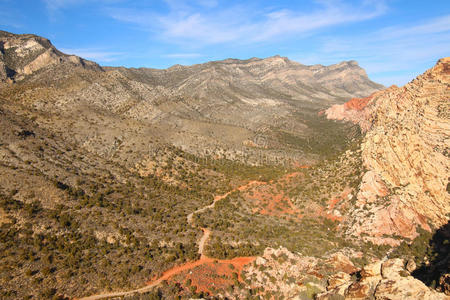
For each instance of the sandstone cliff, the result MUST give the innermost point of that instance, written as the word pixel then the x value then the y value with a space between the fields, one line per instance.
pixel 406 154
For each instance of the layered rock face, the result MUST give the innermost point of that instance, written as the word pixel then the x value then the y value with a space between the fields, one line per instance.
pixel 406 153
pixel 24 54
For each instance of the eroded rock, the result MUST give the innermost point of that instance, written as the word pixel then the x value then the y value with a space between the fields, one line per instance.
pixel 405 151
pixel 395 283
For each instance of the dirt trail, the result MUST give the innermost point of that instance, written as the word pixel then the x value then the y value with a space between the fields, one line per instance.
pixel 220 197
pixel 202 242
pixel 238 262
pixel 189 265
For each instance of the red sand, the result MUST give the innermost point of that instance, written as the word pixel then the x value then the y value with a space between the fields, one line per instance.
pixel 269 201
pixel 207 272
pixel 211 265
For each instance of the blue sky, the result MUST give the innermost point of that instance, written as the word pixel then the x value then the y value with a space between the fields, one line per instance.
pixel 394 40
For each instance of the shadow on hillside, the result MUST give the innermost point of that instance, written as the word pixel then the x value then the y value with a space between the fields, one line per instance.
pixel 439 258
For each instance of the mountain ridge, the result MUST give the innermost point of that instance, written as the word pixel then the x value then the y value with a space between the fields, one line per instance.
pixel 251 104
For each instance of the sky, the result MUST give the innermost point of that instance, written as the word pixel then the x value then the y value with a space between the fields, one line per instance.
pixel 393 40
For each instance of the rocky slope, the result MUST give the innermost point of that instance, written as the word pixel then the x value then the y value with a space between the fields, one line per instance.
pixel 22 55
pixel 255 94
pixel 236 109
pixel 406 154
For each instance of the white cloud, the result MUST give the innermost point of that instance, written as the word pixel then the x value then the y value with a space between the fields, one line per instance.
pixel 284 22
pixel 97 55
pixel 244 24
pixel 437 25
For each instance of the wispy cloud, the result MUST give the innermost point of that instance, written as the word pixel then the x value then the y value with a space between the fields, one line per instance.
pixel 434 26
pixel 284 22
pixel 97 55
pixel 243 23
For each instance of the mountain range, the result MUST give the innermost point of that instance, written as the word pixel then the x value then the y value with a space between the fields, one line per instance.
pixel 231 106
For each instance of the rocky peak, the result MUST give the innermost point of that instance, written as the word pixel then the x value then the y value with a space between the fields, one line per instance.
pixel 277 59
pixel 24 54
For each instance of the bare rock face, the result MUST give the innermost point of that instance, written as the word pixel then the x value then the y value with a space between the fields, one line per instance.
pixel 341 263
pixel 269 272
pixel 356 110
pixel 387 280
pixel 410 265
pixel 410 133
pixel 337 280
pixel 371 188
pixel 392 268
pixel 371 270
pixel 386 219
pixel 406 153
pixel 405 288
pixel 365 287
pixel 24 54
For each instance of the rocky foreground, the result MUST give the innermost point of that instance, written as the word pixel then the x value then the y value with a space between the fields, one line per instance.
pixel 390 279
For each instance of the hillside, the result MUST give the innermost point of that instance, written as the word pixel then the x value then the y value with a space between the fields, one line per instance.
pixel 227 179
pixel 239 110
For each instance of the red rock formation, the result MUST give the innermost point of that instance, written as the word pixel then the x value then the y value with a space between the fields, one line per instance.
pixel 357 110
pixel 357 103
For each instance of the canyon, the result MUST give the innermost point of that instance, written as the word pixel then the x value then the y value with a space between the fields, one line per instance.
pixel 258 179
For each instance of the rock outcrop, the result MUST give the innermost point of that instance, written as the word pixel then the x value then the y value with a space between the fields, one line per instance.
pixel 23 54
pixel 380 280
pixel 406 153
pixel 270 271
